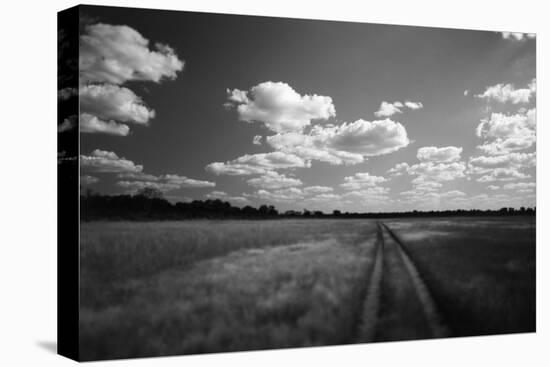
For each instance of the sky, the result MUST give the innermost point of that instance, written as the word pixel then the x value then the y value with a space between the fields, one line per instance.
pixel 304 114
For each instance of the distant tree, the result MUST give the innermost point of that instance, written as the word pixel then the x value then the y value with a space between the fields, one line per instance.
pixel 150 193
pixel 336 213
pixel 318 213
pixel 306 213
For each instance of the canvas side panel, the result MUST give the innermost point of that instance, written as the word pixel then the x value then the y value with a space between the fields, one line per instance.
pixel 67 184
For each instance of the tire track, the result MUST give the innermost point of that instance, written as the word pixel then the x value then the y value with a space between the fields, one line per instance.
pixel 398 304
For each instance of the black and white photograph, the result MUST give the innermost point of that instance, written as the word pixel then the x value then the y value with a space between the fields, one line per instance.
pixel 248 183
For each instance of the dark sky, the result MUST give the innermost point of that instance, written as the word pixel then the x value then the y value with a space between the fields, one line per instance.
pixel 444 72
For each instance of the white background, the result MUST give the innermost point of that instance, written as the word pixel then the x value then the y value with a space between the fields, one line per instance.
pixel 28 182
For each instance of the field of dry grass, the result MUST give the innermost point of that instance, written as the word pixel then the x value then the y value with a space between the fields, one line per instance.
pixel 164 288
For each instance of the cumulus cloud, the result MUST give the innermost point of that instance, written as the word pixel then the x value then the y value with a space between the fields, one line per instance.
pixel 518 36
pixel 442 154
pixel 493 187
pixel 361 180
pixel 163 183
pixel 279 107
pixel 466 92
pixel 503 174
pixel 274 180
pixel 93 124
pixel 239 200
pixel 429 171
pixel 520 186
pixel 387 109
pixel 251 164
pixel 484 164
pixel 88 180
pixel 347 143
pixel 107 101
pixel 107 162
pixel 257 140
pixel 317 190
pixel 507 133
pixel 414 105
pixel 117 53
pixel 290 194
pixel 504 93
pixel 68 124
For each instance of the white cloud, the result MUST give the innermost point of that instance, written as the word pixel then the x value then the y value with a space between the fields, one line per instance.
pixel 163 183
pixel 520 186
pixel 68 124
pixel 504 93
pixel 503 174
pixel 347 143
pixel 92 124
pixel 257 140
pixel 107 101
pixel 274 180
pixel 361 180
pixel 88 180
pixel 518 36
pixel 291 194
pixel 507 133
pixel 239 200
pixel 260 163
pixel 493 187
pixel 117 53
pixel 466 92
pixel 279 107
pixel 436 171
pixel 317 190
pixel 484 164
pixel 388 109
pixel 414 105
pixel 435 154
pixel 105 161
pixel 399 169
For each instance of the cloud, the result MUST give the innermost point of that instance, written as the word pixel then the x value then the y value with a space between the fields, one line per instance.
pixel 88 180
pixel 507 133
pixel 399 169
pixel 92 124
pixel 251 164
pixel 414 105
pixel 107 162
pixel 466 92
pixel 435 154
pixel 493 187
pixel 520 186
pixel 107 101
pixel 484 164
pixel 317 190
pixel 503 174
pixel 518 36
pixel 387 109
pixel 239 200
pixel 291 194
pixel 347 143
pixel 117 54
pixel 163 183
pixel 257 140
pixel 361 180
pixel 504 93
pixel 279 107
pixel 274 180
pixel 68 124
pixel 66 93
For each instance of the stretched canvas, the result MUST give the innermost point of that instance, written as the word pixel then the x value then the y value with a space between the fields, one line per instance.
pixel 237 183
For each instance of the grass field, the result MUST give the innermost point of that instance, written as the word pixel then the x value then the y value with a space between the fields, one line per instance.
pixel 162 288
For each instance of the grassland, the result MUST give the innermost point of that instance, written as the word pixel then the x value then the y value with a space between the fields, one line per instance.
pixel 163 288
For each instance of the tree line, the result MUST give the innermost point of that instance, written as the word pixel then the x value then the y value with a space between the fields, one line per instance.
pixel 149 204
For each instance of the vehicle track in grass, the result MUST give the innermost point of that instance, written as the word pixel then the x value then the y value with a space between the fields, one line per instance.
pixel 398 304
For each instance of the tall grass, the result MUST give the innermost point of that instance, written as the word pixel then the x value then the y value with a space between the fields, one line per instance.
pixel 481 270
pixel 233 286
